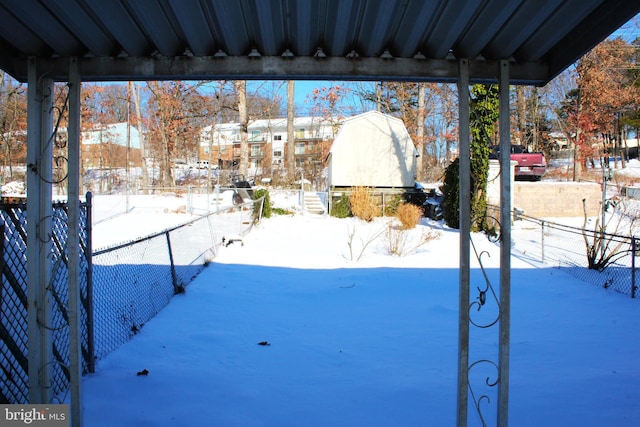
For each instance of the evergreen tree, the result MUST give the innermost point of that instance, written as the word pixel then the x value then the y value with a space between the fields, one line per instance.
pixel 484 116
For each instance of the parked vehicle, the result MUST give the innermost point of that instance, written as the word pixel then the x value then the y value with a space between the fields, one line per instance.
pixel 529 167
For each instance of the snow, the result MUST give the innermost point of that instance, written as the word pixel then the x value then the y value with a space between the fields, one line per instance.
pixel 368 342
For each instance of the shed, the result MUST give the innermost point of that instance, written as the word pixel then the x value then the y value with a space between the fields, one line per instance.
pixel 372 150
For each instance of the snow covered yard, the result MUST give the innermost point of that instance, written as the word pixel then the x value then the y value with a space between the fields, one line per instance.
pixel 367 343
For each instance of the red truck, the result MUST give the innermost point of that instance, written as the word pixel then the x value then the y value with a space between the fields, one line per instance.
pixel 529 167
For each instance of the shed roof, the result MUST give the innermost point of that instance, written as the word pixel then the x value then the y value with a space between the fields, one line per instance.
pixel 303 39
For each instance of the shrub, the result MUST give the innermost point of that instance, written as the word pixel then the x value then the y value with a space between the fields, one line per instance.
pixel 362 204
pixel 451 191
pixel 266 204
pixel 409 215
pixel 341 208
pixel 400 242
pixel 391 207
pixel 281 211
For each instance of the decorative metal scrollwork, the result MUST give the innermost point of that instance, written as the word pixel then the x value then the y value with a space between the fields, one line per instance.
pixel 486 301
pixel 481 299
pixel 479 399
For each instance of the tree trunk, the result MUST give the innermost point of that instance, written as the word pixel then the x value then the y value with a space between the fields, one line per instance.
pixel 521 107
pixel 241 88
pixel 420 163
pixel 291 145
pixel 142 133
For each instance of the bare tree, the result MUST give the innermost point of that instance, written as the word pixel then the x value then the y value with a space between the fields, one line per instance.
pixel 422 112
pixel 291 159
pixel 241 89
pixel 138 123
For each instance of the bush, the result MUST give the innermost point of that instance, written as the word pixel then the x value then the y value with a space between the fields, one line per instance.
pixel 409 215
pixel 341 208
pixel 281 211
pixel 362 204
pixel 266 204
pixel 400 242
pixel 451 191
pixel 391 207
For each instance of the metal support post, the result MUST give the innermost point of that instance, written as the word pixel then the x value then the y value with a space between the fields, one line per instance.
pixel 88 255
pixel 465 242
pixel 39 211
pixel 73 244
pixel 634 249
pixel 505 247
pixel 542 239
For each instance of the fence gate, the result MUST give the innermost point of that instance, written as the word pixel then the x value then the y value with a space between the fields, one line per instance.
pixel 14 372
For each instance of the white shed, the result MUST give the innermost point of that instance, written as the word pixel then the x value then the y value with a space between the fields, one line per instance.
pixel 372 150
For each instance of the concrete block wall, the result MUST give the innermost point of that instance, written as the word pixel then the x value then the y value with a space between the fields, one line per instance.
pixel 557 199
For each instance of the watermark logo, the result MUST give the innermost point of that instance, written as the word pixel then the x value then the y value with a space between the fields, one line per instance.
pixel 34 415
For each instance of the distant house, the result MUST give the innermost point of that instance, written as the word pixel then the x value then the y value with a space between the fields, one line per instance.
pixel 267 139
pixel 111 145
pixel 372 150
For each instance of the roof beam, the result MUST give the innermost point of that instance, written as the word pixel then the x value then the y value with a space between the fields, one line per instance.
pixel 277 68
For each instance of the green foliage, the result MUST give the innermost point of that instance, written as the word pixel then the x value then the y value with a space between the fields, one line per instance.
pixel 267 209
pixel 484 115
pixel 281 211
pixel 341 208
pixel 391 207
pixel 451 192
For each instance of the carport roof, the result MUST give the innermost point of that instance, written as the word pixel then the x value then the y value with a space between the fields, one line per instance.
pixel 417 40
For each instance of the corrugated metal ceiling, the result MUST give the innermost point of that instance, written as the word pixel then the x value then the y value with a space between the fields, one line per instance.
pixel 329 39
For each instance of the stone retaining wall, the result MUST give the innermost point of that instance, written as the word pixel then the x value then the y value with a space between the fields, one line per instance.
pixel 557 199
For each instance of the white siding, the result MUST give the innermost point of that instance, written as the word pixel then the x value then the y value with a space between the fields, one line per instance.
pixel 372 150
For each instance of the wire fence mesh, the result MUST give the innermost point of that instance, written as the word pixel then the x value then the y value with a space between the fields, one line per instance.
pixel 603 259
pixel 122 287
pixel 14 372
pixel 133 281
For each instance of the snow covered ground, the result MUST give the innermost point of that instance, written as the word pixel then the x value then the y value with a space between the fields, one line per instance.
pixel 371 342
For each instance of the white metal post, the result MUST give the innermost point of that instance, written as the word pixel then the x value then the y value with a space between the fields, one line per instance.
pixel 73 244
pixel 505 247
pixel 465 245
pixel 39 210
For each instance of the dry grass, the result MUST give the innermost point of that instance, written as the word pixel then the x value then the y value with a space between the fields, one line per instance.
pixel 409 215
pixel 362 204
pixel 401 242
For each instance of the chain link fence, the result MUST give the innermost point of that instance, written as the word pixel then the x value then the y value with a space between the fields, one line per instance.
pixel 122 287
pixel 14 375
pixel 603 259
pixel 133 281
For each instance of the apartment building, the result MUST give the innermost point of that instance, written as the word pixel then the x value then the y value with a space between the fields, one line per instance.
pixel 267 140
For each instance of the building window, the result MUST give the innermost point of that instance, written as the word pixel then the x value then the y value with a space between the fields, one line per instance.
pixel 299 148
pixel 277 137
pixel 277 153
pixel 255 150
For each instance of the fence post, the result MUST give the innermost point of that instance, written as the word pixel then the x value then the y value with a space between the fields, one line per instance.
pixel 174 276
pixel 91 362
pixel 1 258
pixel 542 239
pixel 633 267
